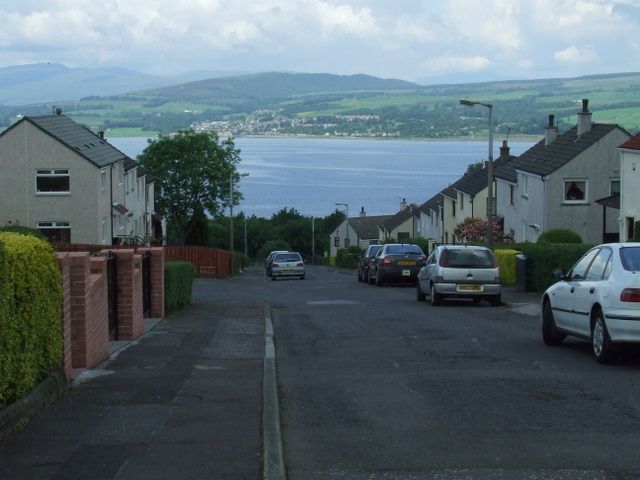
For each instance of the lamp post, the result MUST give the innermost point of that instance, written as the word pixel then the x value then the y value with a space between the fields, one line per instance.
pixel 490 199
pixel 244 217
pixel 231 207
pixel 346 205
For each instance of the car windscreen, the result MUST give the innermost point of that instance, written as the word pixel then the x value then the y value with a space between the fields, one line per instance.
pixel 287 257
pixel 374 250
pixel 404 249
pixel 468 258
pixel 630 258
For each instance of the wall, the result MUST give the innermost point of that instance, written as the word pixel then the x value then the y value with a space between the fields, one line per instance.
pixel 629 191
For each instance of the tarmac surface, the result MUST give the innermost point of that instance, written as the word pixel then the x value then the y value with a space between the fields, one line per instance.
pixel 147 412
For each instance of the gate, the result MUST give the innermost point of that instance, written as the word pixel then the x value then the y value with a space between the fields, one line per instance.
pixel 112 294
pixel 146 282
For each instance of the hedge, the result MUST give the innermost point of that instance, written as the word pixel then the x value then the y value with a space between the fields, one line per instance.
pixel 545 258
pixel 507 262
pixel 23 230
pixel 31 338
pixel 178 284
pixel 348 257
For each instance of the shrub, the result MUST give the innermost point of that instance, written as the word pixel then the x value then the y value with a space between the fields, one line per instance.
pixel 545 258
pixel 348 258
pixel 559 235
pixel 507 263
pixel 23 231
pixel 178 284
pixel 240 261
pixel 423 243
pixel 30 311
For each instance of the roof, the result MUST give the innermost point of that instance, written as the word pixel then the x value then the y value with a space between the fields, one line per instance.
pixel 612 201
pixel 432 204
pixel 78 138
pixel 367 227
pixel 402 216
pixel 633 143
pixel 543 160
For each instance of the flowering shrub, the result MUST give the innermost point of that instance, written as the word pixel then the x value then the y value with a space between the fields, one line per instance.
pixel 475 230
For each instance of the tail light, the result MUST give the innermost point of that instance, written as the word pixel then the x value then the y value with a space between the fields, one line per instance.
pixel 301 264
pixel 443 259
pixel 630 295
pixel 438 279
pixel 387 261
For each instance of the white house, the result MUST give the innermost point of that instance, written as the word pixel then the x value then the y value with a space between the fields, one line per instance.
pixel 629 187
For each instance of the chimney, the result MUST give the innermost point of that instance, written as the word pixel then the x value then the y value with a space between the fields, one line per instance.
pixel 403 204
pixel 101 134
pixel 58 111
pixel 584 118
pixel 362 212
pixel 551 132
pixel 504 152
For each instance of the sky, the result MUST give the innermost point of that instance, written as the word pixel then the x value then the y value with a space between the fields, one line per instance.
pixel 427 41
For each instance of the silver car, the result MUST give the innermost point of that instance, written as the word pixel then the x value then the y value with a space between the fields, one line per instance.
pixel 287 264
pixel 460 271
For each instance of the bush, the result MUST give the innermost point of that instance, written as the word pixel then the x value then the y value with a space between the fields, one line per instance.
pixel 507 263
pixel 23 231
pixel 178 284
pixel 423 243
pixel 31 340
pixel 240 261
pixel 559 235
pixel 545 258
pixel 348 258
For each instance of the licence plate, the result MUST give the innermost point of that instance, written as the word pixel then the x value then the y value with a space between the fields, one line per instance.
pixel 406 273
pixel 406 262
pixel 469 288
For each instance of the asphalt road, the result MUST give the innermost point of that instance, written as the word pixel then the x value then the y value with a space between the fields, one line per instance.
pixel 371 384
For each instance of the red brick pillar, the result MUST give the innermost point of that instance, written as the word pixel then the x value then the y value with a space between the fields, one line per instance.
pixel 98 312
pixel 63 264
pixel 157 282
pixel 130 308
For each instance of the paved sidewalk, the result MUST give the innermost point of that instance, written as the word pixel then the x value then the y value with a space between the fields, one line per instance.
pixel 184 403
pixel 527 303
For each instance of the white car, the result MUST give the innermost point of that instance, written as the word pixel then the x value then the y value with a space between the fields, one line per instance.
pixel 599 300
pixel 288 264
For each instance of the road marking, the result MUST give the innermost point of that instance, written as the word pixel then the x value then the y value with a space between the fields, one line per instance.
pixel 273 458
pixel 333 302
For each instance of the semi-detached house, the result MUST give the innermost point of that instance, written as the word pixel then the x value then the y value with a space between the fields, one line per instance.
pixel 71 184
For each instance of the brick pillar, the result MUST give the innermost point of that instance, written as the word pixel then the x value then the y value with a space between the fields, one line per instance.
pixel 157 282
pixel 130 308
pixel 98 312
pixel 63 264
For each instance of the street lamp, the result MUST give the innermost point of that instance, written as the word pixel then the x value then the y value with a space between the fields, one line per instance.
pixel 231 207
pixel 346 205
pixel 490 199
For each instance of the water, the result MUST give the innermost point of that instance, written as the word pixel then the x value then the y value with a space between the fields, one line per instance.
pixel 312 174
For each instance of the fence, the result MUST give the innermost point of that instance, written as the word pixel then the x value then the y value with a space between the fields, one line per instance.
pixel 209 262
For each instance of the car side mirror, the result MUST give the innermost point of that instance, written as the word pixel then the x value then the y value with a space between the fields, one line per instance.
pixel 559 274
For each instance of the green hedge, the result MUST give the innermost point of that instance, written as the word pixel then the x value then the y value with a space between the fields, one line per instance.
pixel 348 258
pixel 178 284
pixel 31 340
pixel 559 235
pixel 545 258
pixel 507 262
pixel 23 230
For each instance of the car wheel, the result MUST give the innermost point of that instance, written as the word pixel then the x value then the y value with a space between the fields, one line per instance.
pixel 600 341
pixel 365 277
pixel 371 279
pixel 273 278
pixel 550 334
pixel 495 300
pixel 302 277
pixel 420 295
pixel 436 298
pixel 379 281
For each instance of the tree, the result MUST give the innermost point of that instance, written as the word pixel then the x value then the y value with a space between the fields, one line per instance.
pixel 192 176
pixel 475 230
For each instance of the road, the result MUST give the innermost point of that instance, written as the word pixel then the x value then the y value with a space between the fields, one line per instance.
pixel 371 384
pixel 375 385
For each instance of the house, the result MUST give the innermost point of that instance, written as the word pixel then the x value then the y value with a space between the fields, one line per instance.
pixel 557 182
pixel 362 231
pixel 431 218
pixel 629 195
pixel 403 225
pixel 468 197
pixel 71 184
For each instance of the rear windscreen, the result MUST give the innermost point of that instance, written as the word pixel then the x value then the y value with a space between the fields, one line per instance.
pixel 468 258
pixel 287 257
pixel 630 258
pixel 402 249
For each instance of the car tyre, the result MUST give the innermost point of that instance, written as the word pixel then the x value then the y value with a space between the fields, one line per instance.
pixel 550 333
pixel 496 300
pixel 436 298
pixel 420 295
pixel 371 279
pixel 379 281
pixel 600 340
pixel 302 277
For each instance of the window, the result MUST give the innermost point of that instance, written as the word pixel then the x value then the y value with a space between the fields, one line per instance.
pixel 525 186
pixel 461 201
pixel 56 231
pixel 403 237
pixel 598 267
pixel 511 191
pixel 575 191
pixel 630 258
pixel 103 180
pixel 120 173
pixel 579 270
pixel 614 186
pixel 336 241
pixel 52 182
pixel 453 209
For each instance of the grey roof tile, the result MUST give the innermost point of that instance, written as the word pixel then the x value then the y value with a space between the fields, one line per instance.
pixel 367 227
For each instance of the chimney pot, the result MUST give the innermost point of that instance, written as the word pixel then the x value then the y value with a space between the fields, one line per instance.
pixel 585 105
pixel 101 134
pixel 58 111
pixel 551 118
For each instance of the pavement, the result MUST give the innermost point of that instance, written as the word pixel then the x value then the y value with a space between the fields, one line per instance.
pixel 155 399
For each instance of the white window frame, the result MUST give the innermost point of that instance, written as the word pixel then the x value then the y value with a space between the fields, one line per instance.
pixel 54 225
pixel 611 182
pixel 583 201
pixel 103 180
pixel 52 173
pixel 525 186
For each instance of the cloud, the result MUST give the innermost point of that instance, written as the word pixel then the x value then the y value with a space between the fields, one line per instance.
pixel 576 55
pixel 446 64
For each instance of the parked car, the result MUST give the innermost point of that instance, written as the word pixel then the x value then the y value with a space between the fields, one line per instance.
pixel 460 271
pixel 396 262
pixel 365 260
pixel 599 300
pixel 269 259
pixel 289 264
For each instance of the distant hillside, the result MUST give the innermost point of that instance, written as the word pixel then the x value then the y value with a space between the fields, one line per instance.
pixel 268 86
pixel 53 82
